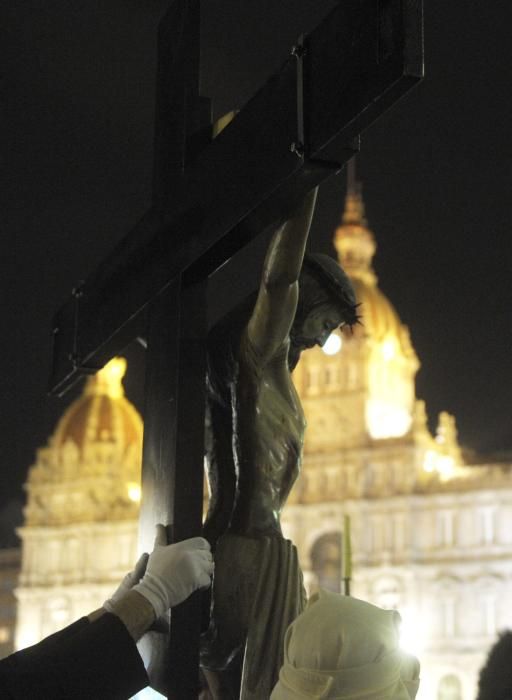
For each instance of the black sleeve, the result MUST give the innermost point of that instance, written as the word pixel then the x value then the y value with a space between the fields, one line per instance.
pixel 53 640
pixel 86 661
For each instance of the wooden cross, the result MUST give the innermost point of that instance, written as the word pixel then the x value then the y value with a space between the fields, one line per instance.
pixel 211 197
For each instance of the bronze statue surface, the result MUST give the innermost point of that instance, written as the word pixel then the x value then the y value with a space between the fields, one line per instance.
pixel 254 444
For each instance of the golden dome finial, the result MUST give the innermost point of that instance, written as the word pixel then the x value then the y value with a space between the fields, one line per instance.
pixel 109 380
pixel 354 206
pixel 353 239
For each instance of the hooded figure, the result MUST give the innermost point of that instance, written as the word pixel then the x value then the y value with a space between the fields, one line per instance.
pixel 342 648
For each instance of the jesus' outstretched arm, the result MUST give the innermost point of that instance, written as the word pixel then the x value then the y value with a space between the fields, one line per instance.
pixel 272 318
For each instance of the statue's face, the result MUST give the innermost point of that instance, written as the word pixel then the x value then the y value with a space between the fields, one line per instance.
pixel 317 326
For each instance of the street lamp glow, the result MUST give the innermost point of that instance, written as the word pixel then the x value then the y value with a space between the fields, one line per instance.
pixel 412 633
pixel 134 492
pixel 332 345
pixel 388 349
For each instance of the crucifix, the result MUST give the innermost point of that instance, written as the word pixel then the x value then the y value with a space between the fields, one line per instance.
pixel 211 197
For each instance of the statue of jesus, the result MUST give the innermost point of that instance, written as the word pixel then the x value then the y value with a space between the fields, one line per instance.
pixel 254 445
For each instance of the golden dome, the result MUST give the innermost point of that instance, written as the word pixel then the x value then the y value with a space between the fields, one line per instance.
pixel 380 321
pixel 90 470
pixel 356 246
pixel 102 413
pixel 354 241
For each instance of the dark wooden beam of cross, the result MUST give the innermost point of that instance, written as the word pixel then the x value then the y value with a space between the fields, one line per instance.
pixel 210 199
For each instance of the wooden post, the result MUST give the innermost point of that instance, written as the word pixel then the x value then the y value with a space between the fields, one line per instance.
pixel 172 476
pixel 172 473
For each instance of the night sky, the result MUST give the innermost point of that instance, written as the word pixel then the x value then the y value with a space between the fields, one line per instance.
pixel 77 89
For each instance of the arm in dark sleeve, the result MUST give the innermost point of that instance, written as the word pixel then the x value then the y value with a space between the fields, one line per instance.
pixel 86 660
pixel 56 639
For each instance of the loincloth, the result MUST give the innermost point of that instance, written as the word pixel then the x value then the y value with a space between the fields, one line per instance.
pixel 257 593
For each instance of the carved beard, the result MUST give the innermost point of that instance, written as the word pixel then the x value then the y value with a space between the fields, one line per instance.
pixel 297 345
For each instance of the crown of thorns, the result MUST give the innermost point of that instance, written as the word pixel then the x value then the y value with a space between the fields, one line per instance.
pixel 330 274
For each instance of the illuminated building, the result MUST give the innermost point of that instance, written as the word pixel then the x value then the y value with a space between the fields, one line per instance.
pixel 80 533
pixel 430 535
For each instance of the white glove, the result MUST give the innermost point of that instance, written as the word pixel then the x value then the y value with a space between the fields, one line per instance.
pixel 128 582
pixel 175 571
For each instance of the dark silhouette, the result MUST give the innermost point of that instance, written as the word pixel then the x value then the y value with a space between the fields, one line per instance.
pixel 495 682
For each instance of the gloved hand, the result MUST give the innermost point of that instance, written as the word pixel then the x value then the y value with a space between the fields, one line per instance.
pixel 175 571
pixel 128 582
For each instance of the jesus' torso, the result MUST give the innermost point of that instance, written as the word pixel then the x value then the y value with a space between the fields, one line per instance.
pixel 268 435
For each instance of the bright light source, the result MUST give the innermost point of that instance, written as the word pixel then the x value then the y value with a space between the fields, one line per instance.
pixel 446 466
pixel 116 368
pixel 332 345
pixel 386 420
pixel 430 461
pixel 148 694
pixel 26 637
pixel 134 492
pixel 412 633
pixel 109 379
pixel 388 349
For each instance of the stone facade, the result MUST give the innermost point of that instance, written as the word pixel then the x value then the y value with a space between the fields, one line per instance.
pixel 431 535
pixel 80 533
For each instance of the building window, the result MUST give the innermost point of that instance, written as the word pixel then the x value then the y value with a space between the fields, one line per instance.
pixel 351 477
pixel 71 556
pixel 351 375
pixel 445 528
pixel 449 688
pixel 57 614
pixel 487 525
pixel 489 615
pixel 445 607
pixel 448 613
pixel 399 532
pixel 312 380
pixel 332 377
pixel 388 593
pixel 326 561
pixel 377 533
